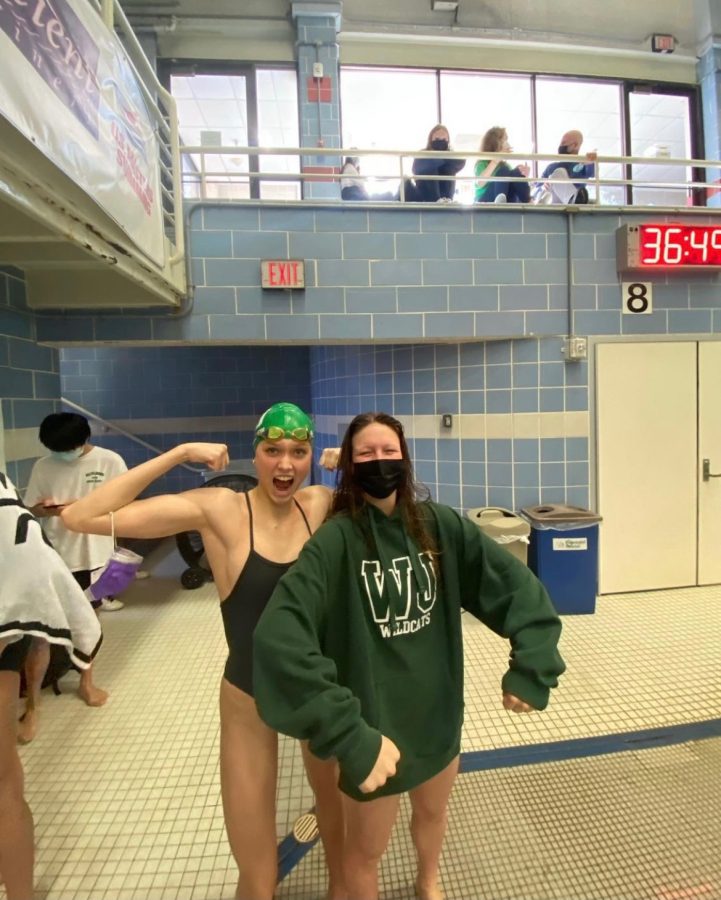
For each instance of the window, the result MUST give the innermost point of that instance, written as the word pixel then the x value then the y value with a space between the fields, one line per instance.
pixel 243 109
pixel 473 102
pixel 594 109
pixel 387 109
pixel 277 99
pixel 213 112
pixel 660 129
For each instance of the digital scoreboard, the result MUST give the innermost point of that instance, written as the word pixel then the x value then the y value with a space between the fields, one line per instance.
pixel 667 246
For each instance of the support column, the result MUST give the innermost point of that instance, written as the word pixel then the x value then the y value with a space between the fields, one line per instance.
pixel 708 25
pixel 317 26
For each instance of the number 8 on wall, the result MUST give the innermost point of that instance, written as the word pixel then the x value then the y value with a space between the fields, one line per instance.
pixel 637 298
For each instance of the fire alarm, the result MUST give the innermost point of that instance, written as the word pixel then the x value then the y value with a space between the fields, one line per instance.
pixel 663 43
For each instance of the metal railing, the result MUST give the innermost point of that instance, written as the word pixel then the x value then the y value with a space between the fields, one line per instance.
pixel 123 432
pixel 163 111
pixel 285 173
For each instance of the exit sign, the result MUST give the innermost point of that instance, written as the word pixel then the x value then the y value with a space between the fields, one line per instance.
pixel 282 273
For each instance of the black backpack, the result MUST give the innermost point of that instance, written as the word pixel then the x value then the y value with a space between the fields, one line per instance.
pixel 58 666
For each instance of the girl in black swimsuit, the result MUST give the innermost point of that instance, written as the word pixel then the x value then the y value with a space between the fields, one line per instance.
pixel 250 541
pixel 243 606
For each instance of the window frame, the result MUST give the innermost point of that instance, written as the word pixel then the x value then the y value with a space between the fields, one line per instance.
pixel 170 67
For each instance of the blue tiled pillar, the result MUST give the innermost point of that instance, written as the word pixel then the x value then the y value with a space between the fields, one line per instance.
pixel 29 379
pixel 317 25
pixel 709 76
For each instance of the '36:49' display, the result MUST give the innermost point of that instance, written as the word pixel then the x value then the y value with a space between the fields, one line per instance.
pixel 668 246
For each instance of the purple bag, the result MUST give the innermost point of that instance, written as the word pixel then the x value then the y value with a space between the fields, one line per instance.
pixel 117 575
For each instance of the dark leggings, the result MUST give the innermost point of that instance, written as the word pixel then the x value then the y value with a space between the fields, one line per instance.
pixel 12 659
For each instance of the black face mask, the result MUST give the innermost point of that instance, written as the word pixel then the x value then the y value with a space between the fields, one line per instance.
pixel 379 477
pixel 563 148
pixel 439 144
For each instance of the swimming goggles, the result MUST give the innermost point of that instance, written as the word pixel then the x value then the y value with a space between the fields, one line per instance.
pixel 276 433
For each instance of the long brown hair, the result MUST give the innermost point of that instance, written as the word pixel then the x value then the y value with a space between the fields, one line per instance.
pixel 494 139
pixel 348 497
pixel 432 132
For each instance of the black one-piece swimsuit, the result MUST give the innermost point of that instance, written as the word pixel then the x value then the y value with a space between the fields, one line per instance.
pixel 244 605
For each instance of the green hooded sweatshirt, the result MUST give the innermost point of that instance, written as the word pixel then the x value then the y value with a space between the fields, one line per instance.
pixel 362 638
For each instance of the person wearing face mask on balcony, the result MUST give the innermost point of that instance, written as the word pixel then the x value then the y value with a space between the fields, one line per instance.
pixel 360 649
pixel 571 146
pixel 430 190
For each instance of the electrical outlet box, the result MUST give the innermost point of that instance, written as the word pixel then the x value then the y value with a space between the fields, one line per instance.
pixel 317 70
pixel 574 348
pixel 447 420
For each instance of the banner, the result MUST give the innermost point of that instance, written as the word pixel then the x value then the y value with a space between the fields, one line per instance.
pixel 68 86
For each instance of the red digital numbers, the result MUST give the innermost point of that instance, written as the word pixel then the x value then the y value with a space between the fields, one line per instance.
pixel 679 245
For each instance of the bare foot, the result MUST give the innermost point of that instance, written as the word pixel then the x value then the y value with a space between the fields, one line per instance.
pixel 93 696
pixel 336 892
pixel 27 726
pixel 429 891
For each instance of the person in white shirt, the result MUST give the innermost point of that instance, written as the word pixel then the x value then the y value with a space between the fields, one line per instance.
pixel 72 470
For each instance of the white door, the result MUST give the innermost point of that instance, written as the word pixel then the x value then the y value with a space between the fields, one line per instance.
pixel 646 407
pixel 709 439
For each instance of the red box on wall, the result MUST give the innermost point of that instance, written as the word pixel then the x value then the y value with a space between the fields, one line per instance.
pixel 320 173
pixel 319 89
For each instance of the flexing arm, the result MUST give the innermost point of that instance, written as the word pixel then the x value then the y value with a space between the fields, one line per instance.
pixel 506 596
pixel 156 517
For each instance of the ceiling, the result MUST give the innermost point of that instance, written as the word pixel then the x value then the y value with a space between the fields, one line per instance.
pixel 611 23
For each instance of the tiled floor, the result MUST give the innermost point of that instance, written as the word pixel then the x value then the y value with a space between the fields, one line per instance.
pixel 127 804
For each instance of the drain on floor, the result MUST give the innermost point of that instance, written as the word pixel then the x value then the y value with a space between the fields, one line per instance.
pixel 305 828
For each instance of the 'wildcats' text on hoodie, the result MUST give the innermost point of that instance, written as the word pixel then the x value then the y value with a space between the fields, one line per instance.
pixel 362 637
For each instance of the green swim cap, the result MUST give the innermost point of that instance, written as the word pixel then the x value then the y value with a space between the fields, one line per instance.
pixel 283 420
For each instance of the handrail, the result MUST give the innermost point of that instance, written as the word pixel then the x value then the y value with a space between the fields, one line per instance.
pixel 127 434
pixel 205 171
pixel 162 106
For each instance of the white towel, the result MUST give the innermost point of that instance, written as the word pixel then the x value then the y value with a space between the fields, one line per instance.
pixel 38 594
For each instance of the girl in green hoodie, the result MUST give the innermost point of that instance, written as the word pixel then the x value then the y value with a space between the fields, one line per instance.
pixel 360 651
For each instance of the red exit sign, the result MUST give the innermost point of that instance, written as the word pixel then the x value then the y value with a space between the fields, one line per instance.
pixel 282 273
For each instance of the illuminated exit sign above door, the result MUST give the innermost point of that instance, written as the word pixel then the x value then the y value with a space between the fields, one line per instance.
pixel 283 274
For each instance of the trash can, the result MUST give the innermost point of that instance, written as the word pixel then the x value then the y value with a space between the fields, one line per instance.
pixel 564 554
pixel 505 527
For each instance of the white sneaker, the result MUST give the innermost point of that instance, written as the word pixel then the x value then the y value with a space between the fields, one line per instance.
pixel 110 604
pixel 500 198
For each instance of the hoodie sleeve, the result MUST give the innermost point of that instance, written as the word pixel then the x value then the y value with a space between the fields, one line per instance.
pixel 296 687
pixel 507 597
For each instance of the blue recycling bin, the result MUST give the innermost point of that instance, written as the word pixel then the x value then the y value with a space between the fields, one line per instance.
pixel 564 555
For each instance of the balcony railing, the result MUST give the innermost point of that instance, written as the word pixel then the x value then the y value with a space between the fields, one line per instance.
pixel 292 174
pixel 162 109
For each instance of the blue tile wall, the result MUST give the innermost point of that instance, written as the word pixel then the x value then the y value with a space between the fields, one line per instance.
pixel 185 383
pixel 29 373
pixel 407 288
pixel 319 121
pixel 493 377
pixel 452 274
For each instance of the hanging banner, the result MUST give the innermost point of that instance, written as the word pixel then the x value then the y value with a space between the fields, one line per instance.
pixel 68 86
